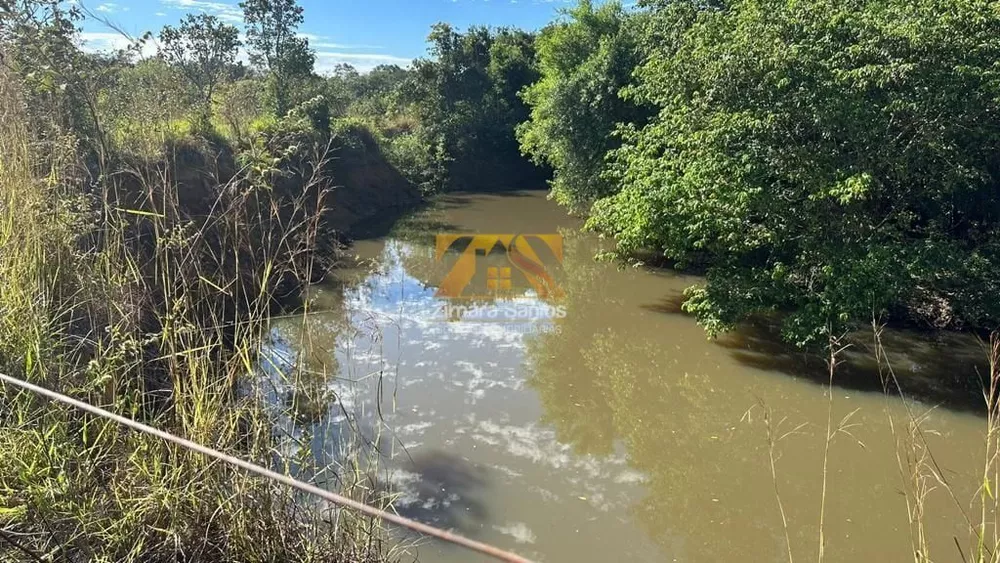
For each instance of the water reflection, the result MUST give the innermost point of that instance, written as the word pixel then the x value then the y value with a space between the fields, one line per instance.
pixel 646 378
pixel 616 432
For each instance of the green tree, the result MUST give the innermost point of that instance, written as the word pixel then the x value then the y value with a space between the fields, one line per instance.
pixel 831 160
pixel 203 48
pixel 373 95
pixel 274 45
pixel 585 60
pixel 340 88
pixel 63 85
pixel 466 98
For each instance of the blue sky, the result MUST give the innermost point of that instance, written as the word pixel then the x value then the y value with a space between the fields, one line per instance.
pixel 364 33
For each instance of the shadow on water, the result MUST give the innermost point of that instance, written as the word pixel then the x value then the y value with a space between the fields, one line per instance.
pixel 388 224
pixel 434 486
pixel 450 203
pixel 426 221
pixel 462 200
pixel 669 305
pixel 442 489
pixel 925 368
pixel 422 230
pixel 420 220
pixel 936 368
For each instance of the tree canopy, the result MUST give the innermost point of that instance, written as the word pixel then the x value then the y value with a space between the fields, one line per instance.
pixel 827 160
pixel 203 48
pixel 275 46
pixel 466 95
pixel 584 61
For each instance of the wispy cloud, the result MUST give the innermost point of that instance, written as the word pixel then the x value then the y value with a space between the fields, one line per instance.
pixel 105 41
pixel 324 42
pixel 226 12
pixel 107 7
pixel 330 53
pixel 327 60
pixel 349 46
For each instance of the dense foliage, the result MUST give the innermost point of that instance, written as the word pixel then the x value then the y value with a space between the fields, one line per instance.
pixel 576 108
pixel 466 97
pixel 448 122
pixel 203 49
pixel 829 160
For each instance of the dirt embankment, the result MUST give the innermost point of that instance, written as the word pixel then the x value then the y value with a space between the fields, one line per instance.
pixel 367 189
pixel 243 231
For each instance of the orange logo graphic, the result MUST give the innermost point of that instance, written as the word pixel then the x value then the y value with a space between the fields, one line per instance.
pixel 520 254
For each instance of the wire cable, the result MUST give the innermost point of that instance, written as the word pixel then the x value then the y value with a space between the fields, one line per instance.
pixel 334 498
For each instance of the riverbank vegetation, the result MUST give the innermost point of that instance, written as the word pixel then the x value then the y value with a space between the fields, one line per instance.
pixel 448 122
pixel 153 214
pixel 826 162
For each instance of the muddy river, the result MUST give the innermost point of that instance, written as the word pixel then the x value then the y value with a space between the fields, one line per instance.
pixel 602 424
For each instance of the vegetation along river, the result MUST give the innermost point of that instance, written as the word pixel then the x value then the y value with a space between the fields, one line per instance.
pixel 618 431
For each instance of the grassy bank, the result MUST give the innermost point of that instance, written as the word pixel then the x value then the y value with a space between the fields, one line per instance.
pixel 142 282
pixel 155 212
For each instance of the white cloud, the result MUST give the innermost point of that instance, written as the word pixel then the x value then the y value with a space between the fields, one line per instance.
pixel 328 54
pixel 327 60
pixel 322 42
pixel 107 7
pixel 349 46
pixel 160 14
pixel 226 12
pixel 98 42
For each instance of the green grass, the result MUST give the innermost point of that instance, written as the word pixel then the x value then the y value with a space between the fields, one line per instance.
pixel 121 294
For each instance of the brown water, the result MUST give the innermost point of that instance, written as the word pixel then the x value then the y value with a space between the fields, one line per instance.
pixel 620 432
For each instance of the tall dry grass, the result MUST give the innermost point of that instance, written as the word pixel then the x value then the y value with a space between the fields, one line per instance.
pixel 116 289
pixel 919 472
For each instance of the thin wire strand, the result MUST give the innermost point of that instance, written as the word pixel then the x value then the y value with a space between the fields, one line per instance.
pixel 34 556
pixel 334 498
